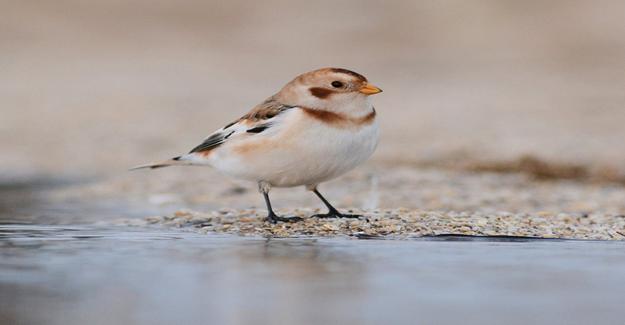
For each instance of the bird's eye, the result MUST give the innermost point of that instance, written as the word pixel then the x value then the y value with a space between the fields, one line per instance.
pixel 337 84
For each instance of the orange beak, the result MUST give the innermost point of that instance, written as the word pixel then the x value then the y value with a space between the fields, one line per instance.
pixel 369 89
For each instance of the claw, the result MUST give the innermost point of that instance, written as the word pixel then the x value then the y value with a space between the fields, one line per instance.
pixel 336 215
pixel 275 218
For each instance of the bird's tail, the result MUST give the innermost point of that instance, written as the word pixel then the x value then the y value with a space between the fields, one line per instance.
pixel 166 163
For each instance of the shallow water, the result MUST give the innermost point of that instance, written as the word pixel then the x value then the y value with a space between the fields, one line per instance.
pixel 102 275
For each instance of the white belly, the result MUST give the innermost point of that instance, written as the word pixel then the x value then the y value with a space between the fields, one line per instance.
pixel 307 152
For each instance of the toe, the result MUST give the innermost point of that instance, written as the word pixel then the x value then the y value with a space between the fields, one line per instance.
pixel 337 215
pixel 290 219
pixel 275 219
pixel 353 216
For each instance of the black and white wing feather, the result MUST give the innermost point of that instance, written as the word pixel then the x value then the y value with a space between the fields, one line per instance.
pixel 258 120
pixel 213 141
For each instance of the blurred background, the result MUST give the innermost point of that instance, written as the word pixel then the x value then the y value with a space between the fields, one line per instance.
pixel 93 87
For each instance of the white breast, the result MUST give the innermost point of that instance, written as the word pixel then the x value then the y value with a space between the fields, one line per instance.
pixel 299 150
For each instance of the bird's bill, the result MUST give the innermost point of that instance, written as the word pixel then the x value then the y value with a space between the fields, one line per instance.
pixel 369 89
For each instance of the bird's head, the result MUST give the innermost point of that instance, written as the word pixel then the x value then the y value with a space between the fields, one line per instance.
pixel 332 89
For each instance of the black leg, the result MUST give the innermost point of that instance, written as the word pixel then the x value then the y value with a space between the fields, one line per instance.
pixel 332 212
pixel 274 218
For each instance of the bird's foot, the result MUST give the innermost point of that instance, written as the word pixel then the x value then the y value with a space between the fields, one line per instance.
pixel 336 214
pixel 273 218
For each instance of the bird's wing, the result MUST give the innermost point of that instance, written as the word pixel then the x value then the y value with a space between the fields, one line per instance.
pixel 259 119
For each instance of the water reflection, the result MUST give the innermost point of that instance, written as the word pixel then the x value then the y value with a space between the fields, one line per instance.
pixel 81 274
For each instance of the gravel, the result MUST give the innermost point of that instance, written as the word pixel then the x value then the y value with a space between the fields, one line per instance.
pixel 399 224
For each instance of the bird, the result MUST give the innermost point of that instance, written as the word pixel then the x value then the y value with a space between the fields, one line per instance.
pixel 317 127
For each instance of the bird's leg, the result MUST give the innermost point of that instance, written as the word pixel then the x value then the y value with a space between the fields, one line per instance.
pixel 332 212
pixel 271 216
pixel 274 218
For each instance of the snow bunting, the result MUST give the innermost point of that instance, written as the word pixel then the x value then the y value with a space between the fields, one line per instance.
pixel 317 127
